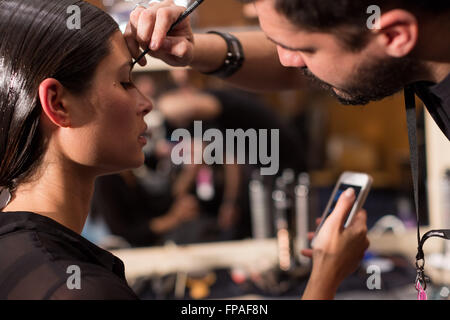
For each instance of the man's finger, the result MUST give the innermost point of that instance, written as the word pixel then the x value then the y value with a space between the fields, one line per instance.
pixel 311 235
pixel 175 50
pixel 147 20
pixel 130 34
pixel 133 45
pixel 165 17
pixel 145 27
pixel 176 46
pixel 134 19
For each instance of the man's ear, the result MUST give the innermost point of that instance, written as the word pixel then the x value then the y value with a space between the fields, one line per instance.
pixel 398 33
pixel 53 105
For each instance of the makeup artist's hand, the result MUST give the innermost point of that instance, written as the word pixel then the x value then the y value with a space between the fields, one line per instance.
pixel 147 28
pixel 337 250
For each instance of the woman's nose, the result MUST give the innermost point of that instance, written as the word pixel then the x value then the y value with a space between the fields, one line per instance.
pixel 290 58
pixel 145 104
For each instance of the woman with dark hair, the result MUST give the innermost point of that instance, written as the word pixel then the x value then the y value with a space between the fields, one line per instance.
pixel 69 112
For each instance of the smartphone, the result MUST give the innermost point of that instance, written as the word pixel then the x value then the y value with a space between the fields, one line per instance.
pixel 360 182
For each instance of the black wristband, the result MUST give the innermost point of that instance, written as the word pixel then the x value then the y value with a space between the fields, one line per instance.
pixel 234 59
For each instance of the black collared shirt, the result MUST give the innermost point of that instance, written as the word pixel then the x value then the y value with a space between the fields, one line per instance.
pixel 436 98
pixel 40 259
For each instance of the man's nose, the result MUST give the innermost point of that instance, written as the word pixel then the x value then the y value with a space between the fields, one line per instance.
pixel 289 58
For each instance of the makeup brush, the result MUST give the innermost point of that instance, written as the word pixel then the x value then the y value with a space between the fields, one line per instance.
pixel 183 16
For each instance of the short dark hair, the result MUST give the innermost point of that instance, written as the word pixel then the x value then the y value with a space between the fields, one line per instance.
pixel 327 14
pixel 36 44
pixel 347 18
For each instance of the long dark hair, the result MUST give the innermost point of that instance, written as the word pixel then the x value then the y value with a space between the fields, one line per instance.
pixel 35 44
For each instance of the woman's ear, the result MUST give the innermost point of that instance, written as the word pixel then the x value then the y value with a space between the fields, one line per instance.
pixel 398 33
pixel 53 104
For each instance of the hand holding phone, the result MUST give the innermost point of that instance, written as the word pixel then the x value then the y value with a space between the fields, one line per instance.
pixel 337 250
pixel 360 183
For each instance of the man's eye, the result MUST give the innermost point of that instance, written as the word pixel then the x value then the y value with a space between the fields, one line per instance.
pixel 127 85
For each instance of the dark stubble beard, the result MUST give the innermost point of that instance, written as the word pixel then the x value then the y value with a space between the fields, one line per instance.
pixel 373 81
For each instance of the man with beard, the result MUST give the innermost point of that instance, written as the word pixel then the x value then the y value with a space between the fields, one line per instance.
pixel 330 43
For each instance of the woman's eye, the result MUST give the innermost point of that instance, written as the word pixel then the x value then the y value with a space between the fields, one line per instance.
pixel 127 85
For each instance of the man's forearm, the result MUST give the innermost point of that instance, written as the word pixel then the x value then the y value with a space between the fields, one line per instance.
pixel 261 70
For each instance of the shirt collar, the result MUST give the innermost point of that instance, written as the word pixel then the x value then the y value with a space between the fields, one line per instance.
pixel 442 89
pixel 436 98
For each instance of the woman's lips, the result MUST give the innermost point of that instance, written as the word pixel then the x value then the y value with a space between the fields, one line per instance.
pixel 142 140
pixel 142 137
pixel 146 134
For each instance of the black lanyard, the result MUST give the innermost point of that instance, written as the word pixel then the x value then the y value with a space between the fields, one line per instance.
pixel 411 121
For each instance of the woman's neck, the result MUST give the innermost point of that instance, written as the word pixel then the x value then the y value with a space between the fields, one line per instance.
pixel 60 191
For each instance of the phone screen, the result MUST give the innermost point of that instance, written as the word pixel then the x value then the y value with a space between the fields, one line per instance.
pixel 342 187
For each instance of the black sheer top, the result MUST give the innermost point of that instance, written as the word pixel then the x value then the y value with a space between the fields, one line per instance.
pixel 42 259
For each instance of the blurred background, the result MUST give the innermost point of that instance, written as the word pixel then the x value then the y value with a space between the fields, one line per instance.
pixel 199 231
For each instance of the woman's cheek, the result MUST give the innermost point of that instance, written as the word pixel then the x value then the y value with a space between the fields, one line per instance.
pixel 120 110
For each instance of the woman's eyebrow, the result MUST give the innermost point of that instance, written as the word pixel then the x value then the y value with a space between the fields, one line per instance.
pixel 128 64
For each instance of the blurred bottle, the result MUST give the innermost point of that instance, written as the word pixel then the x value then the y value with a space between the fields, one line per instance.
pixel 282 205
pixel 288 178
pixel 259 207
pixel 446 208
pixel 302 217
pixel 205 184
pixel 290 185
